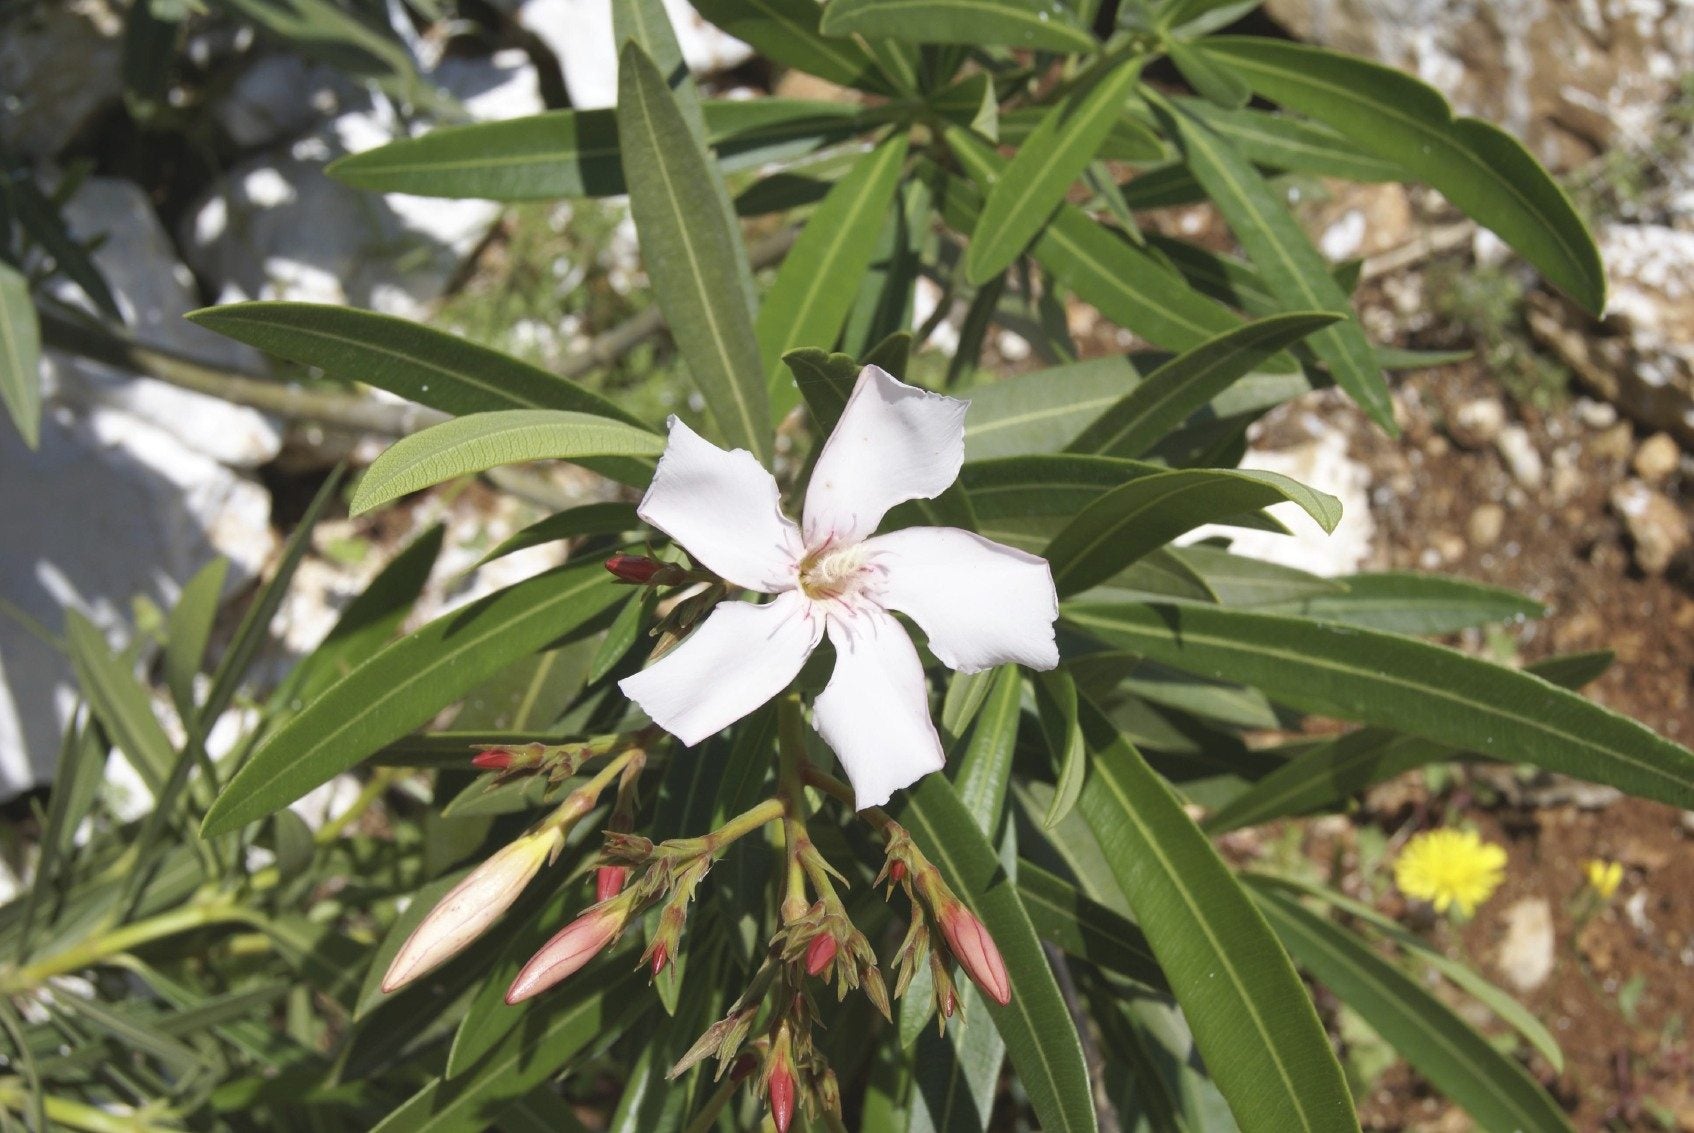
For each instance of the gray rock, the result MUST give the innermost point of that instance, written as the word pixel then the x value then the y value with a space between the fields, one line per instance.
pixel 60 63
pixel 1525 955
pixel 1657 458
pixel 579 32
pixel 1656 526
pixel 1486 525
pixel 275 227
pixel 1476 424
pixel 153 291
pixel 1521 457
pixel 134 488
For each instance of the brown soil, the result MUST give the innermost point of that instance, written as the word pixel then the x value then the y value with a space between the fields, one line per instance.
pixel 1620 995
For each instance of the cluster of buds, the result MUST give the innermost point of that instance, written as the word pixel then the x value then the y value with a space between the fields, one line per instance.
pixel 681 614
pixel 941 925
pixel 556 761
pixel 471 907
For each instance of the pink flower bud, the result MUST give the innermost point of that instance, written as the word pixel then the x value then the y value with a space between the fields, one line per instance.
pixel 661 957
pixel 897 871
pixel 976 952
pixel 819 953
pixel 474 904
pixel 493 759
pixel 608 881
pixel 780 1090
pixel 575 945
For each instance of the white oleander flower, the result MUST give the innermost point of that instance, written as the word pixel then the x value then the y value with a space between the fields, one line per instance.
pixel 980 603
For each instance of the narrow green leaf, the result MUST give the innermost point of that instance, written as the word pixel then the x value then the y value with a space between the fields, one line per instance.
pixel 695 277
pixel 809 301
pixel 1479 167
pixel 825 381
pixel 423 365
pixel 1040 1036
pixel 406 684
pixel 786 31
pixel 480 441
pixel 20 355
pixel 1405 684
pixel 1128 285
pixel 1403 602
pixel 1210 79
pixel 77 778
pixel 985 23
pixel 1293 269
pixel 986 768
pixel 578 1017
pixel 1240 581
pixel 1252 1020
pixel 1145 513
pixel 1086 929
pixel 1491 1087
pixel 620 636
pixel 367 623
pixel 119 701
pixel 1043 411
pixel 1278 141
pixel 1334 770
pixel 647 23
pixel 1500 1002
pixel 1032 185
pixel 1169 394
pixel 572 523
pixel 575 153
pixel 188 631
pixel 1055 694
pixel 1128 139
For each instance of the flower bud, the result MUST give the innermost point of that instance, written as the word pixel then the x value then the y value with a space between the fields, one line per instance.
pixel 779 1090
pixel 661 957
pixel 976 952
pixel 494 759
pixel 819 953
pixel 639 570
pixel 897 871
pixel 470 907
pixel 742 1067
pixel 574 946
pixel 609 881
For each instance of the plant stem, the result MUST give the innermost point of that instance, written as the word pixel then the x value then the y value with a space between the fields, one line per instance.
pixel 105 945
pixel 791 762
pixel 381 779
pixel 836 789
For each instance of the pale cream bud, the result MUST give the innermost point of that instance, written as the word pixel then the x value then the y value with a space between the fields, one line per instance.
pixel 474 904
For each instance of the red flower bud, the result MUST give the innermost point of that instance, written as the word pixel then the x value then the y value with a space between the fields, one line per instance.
pixel 636 569
pixel 781 1094
pixel 897 871
pixel 819 953
pixel 493 759
pixel 608 881
pixel 661 957
pixel 577 944
pixel 976 952
pixel 949 1003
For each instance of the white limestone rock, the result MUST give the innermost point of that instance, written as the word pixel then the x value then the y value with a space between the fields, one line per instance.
pixel 579 32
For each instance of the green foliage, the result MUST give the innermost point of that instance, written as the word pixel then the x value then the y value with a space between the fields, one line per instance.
pixel 236 959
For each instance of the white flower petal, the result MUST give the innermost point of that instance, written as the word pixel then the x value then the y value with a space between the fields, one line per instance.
pixel 980 602
pixel 894 443
pixel 874 712
pixel 724 508
pixel 741 657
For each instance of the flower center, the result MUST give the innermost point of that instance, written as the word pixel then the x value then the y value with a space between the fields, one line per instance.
pixel 828 573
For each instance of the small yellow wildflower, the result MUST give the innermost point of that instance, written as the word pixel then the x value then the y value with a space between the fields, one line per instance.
pixel 1450 868
pixel 1603 877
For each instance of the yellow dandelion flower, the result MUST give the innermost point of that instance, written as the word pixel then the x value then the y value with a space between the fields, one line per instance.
pixel 1450 868
pixel 1603 877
